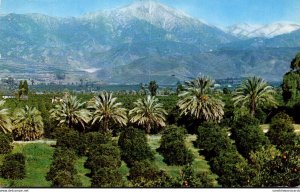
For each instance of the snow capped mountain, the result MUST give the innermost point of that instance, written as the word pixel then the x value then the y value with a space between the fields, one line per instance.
pixel 156 14
pixel 149 20
pixel 127 44
pixel 245 30
pixel 150 11
pixel 275 29
pixel 242 30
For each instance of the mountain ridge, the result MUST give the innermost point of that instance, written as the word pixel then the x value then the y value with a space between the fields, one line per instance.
pixel 105 45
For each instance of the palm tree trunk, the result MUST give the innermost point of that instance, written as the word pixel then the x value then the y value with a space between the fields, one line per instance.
pixel 105 125
pixel 253 109
pixel 148 128
pixel 69 124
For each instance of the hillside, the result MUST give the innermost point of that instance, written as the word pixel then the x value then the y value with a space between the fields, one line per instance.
pixel 132 44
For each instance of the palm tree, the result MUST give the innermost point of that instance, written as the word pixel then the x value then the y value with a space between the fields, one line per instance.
pixel 106 109
pixel 5 122
pixel 148 112
pixel 28 123
pixel 198 100
pixel 70 112
pixel 253 92
pixel 153 88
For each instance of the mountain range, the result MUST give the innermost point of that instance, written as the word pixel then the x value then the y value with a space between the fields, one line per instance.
pixel 140 42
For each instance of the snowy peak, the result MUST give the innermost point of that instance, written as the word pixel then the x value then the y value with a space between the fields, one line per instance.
pixel 146 8
pixel 156 14
pixel 242 30
pixel 275 29
pixel 245 30
pixel 150 11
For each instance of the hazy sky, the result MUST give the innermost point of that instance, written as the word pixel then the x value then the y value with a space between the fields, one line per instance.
pixel 216 12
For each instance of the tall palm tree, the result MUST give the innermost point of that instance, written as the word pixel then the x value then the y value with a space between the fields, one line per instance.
pixel 28 123
pixel 105 109
pixel 253 92
pixel 198 100
pixel 148 112
pixel 5 122
pixel 70 112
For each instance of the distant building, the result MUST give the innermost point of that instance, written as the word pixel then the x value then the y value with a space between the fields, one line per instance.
pixel 24 97
pixel 8 97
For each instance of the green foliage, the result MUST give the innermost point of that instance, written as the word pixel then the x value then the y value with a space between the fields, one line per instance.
pixel 70 112
pixel 153 88
pixel 173 147
pixel 25 87
pixel 105 110
pixel 69 139
pixel 146 174
pixel 107 177
pixel 13 166
pixel 5 122
pixel 179 87
pixel 275 167
pixel 232 169
pixel 91 140
pixel 212 139
pixel 248 135
pixel 191 178
pixel 148 112
pixel 64 178
pixel 226 91
pixel 28 123
pixel 63 165
pixel 254 92
pixel 104 161
pixel 282 132
pixel 295 64
pixel 104 155
pixel 134 146
pixel 5 143
pixel 283 171
pixel 199 101
pixel 258 161
pixel 291 87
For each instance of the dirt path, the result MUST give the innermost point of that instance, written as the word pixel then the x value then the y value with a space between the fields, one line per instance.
pixel 48 142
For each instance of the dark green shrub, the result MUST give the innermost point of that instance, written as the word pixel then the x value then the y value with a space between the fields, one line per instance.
pixel 5 143
pixel 65 179
pixel 260 115
pixel 13 166
pixel 104 161
pixel 107 177
pixel 63 160
pixel 70 139
pixel 104 156
pixel 190 178
pixel 91 140
pixel 173 147
pixel 134 146
pixel 275 168
pixel 281 132
pixel 246 120
pixel 212 140
pixel 291 88
pixel 284 170
pixel 58 131
pixel 248 137
pixel 232 169
pixel 146 174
